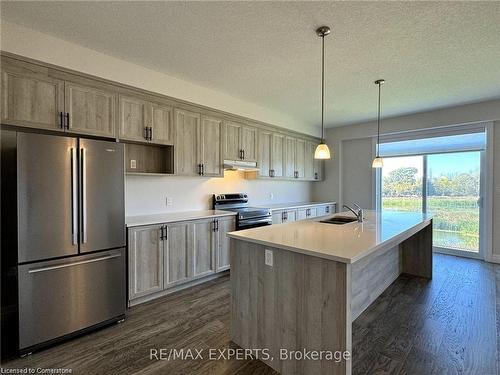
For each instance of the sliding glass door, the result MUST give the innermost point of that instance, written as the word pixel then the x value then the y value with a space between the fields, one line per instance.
pixel 447 185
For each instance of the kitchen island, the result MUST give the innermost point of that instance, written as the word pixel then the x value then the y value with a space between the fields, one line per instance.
pixel 296 288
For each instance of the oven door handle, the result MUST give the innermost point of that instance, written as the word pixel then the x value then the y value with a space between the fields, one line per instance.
pixel 262 220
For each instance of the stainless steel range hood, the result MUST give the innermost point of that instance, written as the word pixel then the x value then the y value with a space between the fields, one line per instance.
pixel 240 165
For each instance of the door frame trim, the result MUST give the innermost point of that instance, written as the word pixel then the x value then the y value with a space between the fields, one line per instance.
pixel 486 193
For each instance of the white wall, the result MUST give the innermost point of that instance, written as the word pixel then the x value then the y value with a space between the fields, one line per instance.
pixel 332 187
pixel 148 194
pixel 30 43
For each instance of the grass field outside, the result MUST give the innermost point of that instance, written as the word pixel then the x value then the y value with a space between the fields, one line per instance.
pixel 456 219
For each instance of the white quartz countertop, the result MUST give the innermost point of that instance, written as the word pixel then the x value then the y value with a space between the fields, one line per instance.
pixel 282 206
pixel 171 217
pixel 345 243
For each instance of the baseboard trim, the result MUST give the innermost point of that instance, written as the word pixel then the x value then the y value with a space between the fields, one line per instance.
pixel 138 301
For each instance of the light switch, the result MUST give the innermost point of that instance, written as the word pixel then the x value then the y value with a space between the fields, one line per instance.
pixel 170 201
pixel 269 257
pixel 133 164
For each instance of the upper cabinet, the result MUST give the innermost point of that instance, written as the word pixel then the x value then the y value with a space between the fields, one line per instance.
pixel 142 120
pixel 30 97
pixel 179 137
pixel 187 130
pixel 210 146
pixel 264 151
pixel 239 142
pixel 161 123
pixel 271 152
pixel 89 110
pixel 197 144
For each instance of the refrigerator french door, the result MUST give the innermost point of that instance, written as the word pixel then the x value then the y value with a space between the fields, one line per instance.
pixel 70 236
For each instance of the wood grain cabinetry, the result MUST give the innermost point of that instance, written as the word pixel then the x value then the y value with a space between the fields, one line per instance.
pixel 167 255
pixel 178 253
pixel 161 123
pixel 297 159
pixel 197 144
pixel 187 129
pixel 203 258
pixel 39 95
pixel 240 142
pixel 89 110
pixel 210 147
pixel 264 152
pixel 271 153
pixel 145 249
pixel 30 97
pixel 287 215
pixel 223 226
pixel 142 120
pixel 300 157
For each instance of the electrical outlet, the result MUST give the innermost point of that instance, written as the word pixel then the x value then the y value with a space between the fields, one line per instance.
pixel 133 164
pixel 170 201
pixel 269 257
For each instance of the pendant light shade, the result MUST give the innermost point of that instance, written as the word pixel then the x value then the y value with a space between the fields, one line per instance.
pixel 322 150
pixel 378 162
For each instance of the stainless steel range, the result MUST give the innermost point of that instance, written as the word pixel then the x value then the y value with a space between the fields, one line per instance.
pixel 248 217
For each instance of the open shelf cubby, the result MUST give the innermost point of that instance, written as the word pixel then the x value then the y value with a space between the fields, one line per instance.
pixel 149 159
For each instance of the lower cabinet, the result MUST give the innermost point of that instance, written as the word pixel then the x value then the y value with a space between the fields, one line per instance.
pixel 325 209
pixel 145 261
pixel 284 216
pixel 306 213
pixel 290 215
pixel 168 255
pixel 224 225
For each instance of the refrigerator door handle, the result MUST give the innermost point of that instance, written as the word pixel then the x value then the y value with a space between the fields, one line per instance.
pixel 49 268
pixel 84 195
pixel 74 198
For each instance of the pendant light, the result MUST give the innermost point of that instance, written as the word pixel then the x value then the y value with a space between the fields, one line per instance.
pixel 378 162
pixel 322 150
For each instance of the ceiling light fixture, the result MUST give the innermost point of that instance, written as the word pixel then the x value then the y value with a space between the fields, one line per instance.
pixel 378 162
pixel 322 150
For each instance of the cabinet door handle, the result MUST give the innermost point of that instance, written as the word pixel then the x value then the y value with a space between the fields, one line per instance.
pixel 199 169
pixel 202 169
pixel 161 233
pixel 243 154
pixel 67 120
pixel 150 133
pixel 61 118
pixel 217 224
pixel 315 175
pixel 146 133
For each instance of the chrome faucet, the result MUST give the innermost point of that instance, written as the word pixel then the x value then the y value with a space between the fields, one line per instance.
pixel 359 214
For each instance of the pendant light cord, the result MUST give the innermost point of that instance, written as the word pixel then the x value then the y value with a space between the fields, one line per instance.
pixel 322 87
pixel 378 120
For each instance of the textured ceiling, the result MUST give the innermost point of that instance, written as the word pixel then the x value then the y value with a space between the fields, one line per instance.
pixel 432 54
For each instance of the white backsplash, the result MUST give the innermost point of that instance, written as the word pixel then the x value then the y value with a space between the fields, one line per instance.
pixel 148 194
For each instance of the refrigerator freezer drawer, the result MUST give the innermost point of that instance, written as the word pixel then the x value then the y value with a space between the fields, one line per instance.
pixel 60 297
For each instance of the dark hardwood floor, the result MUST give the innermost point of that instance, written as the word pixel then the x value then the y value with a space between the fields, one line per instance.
pixel 449 325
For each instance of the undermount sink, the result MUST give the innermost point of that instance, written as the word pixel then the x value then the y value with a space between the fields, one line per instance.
pixel 339 220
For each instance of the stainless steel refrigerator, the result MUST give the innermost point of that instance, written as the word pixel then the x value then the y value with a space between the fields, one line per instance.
pixel 67 225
